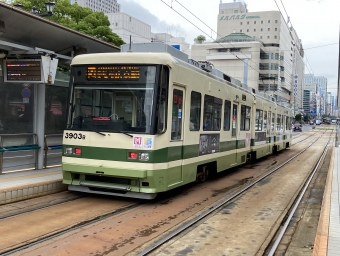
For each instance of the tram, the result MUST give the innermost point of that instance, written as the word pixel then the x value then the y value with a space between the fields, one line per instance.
pixel 141 123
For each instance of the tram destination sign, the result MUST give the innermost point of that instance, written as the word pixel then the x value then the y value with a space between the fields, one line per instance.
pixel 118 73
pixel 23 71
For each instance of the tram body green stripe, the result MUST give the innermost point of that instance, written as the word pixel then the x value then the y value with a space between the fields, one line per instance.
pixel 163 155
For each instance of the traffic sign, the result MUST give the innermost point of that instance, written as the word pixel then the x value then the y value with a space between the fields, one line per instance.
pixel 25 93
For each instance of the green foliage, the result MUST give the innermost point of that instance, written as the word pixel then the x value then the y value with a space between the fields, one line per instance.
pixel 95 24
pixel 306 118
pixel 298 117
pixel 200 39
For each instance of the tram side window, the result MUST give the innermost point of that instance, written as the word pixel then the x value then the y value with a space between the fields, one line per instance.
pixel 245 118
pixel 227 112
pixel 278 123
pixel 176 126
pixel 212 113
pixel 265 120
pixel 258 120
pixel 195 111
pixel 273 122
pixel 287 123
pixel 269 122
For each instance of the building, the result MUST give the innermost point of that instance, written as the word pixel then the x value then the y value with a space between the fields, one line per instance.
pixel 321 83
pixel 105 6
pixel 273 58
pixel 310 100
pixel 126 27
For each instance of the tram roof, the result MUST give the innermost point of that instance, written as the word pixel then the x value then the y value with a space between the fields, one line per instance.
pixel 21 31
pixel 124 57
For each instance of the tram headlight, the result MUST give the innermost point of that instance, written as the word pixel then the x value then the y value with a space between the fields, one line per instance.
pixel 144 157
pixel 68 151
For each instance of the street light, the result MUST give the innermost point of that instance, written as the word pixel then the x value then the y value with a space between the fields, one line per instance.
pixel 49 7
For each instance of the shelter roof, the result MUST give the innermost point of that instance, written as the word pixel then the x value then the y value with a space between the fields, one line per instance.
pixel 22 31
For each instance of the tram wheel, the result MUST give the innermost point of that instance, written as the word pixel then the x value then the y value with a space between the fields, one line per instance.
pixel 202 174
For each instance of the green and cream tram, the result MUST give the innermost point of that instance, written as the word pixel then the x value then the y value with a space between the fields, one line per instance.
pixel 144 123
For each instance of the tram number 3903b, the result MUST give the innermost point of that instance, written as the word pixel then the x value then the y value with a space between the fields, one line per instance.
pixel 70 135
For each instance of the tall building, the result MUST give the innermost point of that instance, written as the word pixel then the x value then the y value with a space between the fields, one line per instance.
pixel 105 6
pixel 273 52
pixel 321 83
pixel 310 100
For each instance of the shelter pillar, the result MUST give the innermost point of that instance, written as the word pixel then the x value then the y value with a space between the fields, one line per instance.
pixel 39 128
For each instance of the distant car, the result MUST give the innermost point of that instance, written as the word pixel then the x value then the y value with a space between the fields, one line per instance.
pixel 311 122
pixel 317 122
pixel 333 121
pixel 297 127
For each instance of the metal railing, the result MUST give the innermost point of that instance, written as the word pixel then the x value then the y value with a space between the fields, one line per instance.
pixel 12 147
pixel 52 142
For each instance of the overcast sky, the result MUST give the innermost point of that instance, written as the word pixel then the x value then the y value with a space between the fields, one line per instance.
pixel 316 22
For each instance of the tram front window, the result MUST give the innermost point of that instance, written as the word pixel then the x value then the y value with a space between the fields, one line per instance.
pixel 117 106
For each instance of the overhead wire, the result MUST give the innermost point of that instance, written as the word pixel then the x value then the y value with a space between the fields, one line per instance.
pixel 207 34
pixel 289 29
pixel 211 29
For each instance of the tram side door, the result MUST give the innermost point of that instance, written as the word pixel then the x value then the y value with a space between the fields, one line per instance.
pixel 234 129
pixel 175 151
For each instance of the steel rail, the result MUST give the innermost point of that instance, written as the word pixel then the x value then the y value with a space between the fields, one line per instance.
pixel 72 228
pixel 214 208
pixel 302 192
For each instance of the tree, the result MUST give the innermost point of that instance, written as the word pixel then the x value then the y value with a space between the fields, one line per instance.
pixel 298 117
pixel 79 18
pixel 200 39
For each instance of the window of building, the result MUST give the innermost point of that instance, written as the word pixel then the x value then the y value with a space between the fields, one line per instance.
pixel 261 29
pixel 241 30
pixel 258 120
pixel 268 29
pixel 195 111
pixel 245 118
pixel 275 21
pixel 254 29
pixel 275 29
pixel 235 11
pixel 260 37
pixel 247 22
pixel 227 112
pixel 116 24
pixel 130 19
pixel 241 23
pixel 247 30
pixel 268 37
pixel 212 113
pixel 275 37
pixel 268 21
pixel 261 21
pixel 255 22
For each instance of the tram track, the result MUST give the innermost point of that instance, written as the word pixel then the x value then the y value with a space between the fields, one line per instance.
pixel 60 231
pixel 229 199
pixel 80 225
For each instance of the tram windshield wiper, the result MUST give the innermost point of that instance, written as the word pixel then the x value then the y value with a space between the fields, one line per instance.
pixel 103 134
pixel 128 134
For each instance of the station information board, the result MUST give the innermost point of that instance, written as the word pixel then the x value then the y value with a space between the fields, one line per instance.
pixel 23 71
pixel 106 72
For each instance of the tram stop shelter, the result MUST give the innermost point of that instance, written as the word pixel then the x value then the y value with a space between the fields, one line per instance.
pixel 29 110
